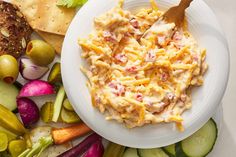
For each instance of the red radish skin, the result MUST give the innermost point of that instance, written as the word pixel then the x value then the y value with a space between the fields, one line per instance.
pixel 29 111
pixel 82 147
pixel 30 71
pixel 96 150
pixel 36 88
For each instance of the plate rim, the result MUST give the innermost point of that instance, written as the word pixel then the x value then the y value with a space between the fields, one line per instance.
pixel 187 133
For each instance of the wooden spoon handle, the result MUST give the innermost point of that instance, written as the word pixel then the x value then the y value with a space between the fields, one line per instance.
pixel 185 3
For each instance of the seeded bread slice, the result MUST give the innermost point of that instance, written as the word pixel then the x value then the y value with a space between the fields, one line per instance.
pixel 15 32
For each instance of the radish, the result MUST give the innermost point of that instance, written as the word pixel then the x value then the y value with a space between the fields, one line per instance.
pixel 36 88
pixel 29 111
pixel 96 150
pixel 82 147
pixel 30 71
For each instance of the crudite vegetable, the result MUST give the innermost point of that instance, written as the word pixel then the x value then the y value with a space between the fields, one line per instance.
pixel 16 147
pixel 63 135
pixel 8 68
pixel 40 52
pixel 36 88
pixel 71 3
pixel 3 141
pixel 41 138
pixel 58 104
pixel 114 150
pixel 31 71
pixel 96 150
pixel 84 146
pixel 9 121
pixel 8 94
pixel 29 111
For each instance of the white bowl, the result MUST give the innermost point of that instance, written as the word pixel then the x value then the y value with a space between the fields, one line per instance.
pixel 203 25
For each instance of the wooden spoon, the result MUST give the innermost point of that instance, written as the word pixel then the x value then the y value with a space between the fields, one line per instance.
pixel 173 15
pixel 176 14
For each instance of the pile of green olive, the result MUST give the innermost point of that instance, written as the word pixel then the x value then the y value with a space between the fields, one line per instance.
pixel 39 52
pixel 8 68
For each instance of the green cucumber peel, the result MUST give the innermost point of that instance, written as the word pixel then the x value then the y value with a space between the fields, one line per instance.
pixel 58 104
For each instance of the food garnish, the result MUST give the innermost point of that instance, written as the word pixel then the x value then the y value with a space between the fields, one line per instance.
pixel 8 69
pixel 36 88
pixel 40 52
pixel 71 3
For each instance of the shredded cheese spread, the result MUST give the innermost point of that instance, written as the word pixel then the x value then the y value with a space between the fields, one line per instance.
pixel 140 78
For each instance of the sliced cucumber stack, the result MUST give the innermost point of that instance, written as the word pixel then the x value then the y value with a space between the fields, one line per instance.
pixel 200 143
pixel 8 94
pixel 155 152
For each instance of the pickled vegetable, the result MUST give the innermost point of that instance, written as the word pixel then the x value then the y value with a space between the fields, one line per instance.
pixel 40 52
pixel 69 116
pixel 16 147
pixel 9 121
pixel 54 76
pixel 8 68
pixel 29 111
pixel 3 141
pixel 114 150
pixel 10 135
pixel 58 104
pixel 46 112
pixel 67 105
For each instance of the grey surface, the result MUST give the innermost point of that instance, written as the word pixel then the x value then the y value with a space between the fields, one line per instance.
pixel 226 144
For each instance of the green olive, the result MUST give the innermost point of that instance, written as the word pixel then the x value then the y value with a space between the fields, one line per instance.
pixel 40 52
pixel 8 68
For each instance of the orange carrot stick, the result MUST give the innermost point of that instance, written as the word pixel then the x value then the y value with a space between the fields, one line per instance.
pixel 62 135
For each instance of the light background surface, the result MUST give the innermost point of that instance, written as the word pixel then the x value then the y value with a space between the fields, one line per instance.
pixel 226 144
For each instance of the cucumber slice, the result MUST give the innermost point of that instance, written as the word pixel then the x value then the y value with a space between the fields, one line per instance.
pixel 46 112
pixel 202 142
pixel 131 152
pixel 155 152
pixel 69 116
pixel 170 150
pixel 67 105
pixel 8 94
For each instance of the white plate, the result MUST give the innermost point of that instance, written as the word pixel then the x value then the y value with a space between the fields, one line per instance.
pixel 204 27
